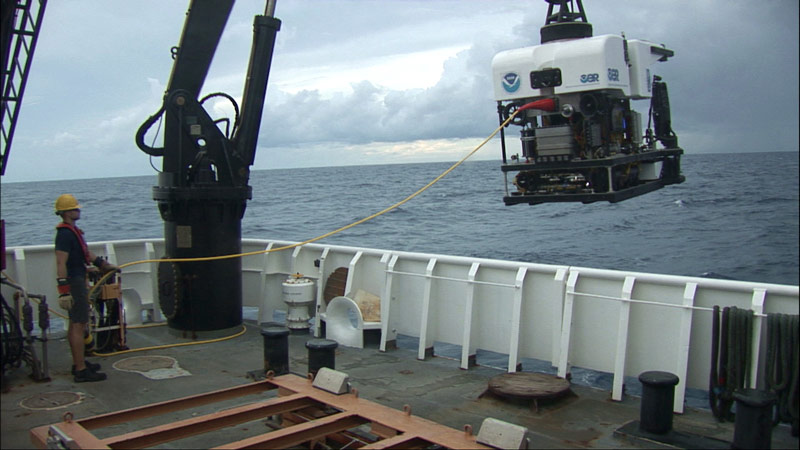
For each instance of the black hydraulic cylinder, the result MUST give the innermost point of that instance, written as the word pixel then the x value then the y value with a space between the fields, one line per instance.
pixel 753 425
pixel 255 89
pixel 658 395
pixel 321 353
pixel 276 349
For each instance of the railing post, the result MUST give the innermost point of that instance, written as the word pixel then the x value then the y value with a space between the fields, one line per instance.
pixel 425 340
pixel 516 318
pixel 467 349
pixel 386 305
pixel 622 338
pixel 566 324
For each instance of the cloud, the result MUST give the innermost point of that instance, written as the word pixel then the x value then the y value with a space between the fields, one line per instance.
pixel 357 74
pixel 458 105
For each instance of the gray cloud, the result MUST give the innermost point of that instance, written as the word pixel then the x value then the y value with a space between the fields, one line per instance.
pixel 99 68
pixel 733 82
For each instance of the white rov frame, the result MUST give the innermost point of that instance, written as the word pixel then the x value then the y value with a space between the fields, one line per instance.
pixel 612 321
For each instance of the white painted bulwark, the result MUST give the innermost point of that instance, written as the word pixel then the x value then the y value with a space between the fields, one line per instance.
pixel 624 323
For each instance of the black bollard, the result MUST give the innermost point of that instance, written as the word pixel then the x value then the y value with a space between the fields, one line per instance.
pixel 753 425
pixel 276 349
pixel 321 353
pixel 658 395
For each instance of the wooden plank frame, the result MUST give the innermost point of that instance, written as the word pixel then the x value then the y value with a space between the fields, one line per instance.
pixel 313 415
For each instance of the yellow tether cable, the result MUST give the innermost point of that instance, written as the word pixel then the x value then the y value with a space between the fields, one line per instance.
pixel 177 344
pixel 102 280
pixel 331 233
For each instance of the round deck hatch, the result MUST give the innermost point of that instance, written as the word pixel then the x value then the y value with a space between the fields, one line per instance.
pixel 51 400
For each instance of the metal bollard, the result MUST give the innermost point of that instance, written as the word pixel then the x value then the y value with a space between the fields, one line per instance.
pixel 276 349
pixel 753 425
pixel 321 353
pixel 658 395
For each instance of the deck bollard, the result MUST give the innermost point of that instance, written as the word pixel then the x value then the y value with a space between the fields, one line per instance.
pixel 753 424
pixel 658 395
pixel 321 353
pixel 276 349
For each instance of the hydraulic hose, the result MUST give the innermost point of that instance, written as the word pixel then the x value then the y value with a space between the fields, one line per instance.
pixel 12 340
pixel 152 151
pixel 179 344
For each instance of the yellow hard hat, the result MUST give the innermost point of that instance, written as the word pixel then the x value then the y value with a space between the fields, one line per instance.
pixel 66 202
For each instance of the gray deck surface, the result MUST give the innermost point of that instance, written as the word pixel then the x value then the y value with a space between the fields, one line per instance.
pixel 436 389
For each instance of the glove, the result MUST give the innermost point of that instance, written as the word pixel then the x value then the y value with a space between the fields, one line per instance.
pixel 65 298
pixel 104 265
pixel 108 267
pixel 65 301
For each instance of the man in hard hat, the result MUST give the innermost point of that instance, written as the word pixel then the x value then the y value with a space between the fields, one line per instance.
pixel 72 258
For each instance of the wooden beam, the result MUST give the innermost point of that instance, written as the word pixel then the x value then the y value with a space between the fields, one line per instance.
pixel 193 401
pixel 399 429
pixel 210 422
pixel 297 434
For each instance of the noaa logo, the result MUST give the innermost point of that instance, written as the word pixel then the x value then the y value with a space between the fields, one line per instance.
pixel 511 82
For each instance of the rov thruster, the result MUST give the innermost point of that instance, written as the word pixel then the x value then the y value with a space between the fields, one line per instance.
pixel 581 140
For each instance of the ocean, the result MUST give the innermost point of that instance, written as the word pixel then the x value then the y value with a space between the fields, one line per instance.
pixel 735 217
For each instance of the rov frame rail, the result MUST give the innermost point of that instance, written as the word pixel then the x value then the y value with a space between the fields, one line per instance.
pixel 565 192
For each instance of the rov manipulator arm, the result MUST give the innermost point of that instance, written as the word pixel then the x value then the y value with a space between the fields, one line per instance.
pixel 203 188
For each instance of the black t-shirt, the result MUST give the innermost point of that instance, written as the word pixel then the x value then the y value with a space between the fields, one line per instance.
pixel 66 241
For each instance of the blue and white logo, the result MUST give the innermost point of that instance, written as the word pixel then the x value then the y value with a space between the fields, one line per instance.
pixel 511 82
pixel 590 78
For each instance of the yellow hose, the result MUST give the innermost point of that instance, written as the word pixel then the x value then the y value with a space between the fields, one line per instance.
pixel 331 233
pixel 287 247
pixel 179 344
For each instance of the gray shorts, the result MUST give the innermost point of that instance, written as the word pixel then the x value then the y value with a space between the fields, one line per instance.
pixel 79 313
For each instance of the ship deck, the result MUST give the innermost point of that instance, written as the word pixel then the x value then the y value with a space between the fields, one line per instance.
pixel 435 389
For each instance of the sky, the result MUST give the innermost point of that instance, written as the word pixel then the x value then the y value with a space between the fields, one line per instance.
pixel 390 81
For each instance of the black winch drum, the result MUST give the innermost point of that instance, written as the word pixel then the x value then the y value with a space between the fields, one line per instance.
pixel 202 222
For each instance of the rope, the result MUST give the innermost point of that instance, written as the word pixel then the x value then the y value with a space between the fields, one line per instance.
pixel 731 353
pixel 783 365
pixel 152 151
pixel 180 344
pixel 336 231
pixel 714 389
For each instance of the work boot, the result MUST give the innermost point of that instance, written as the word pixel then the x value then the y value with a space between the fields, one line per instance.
pixel 94 367
pixel 87 375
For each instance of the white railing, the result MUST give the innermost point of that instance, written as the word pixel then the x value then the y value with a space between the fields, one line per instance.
pixel 623 323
